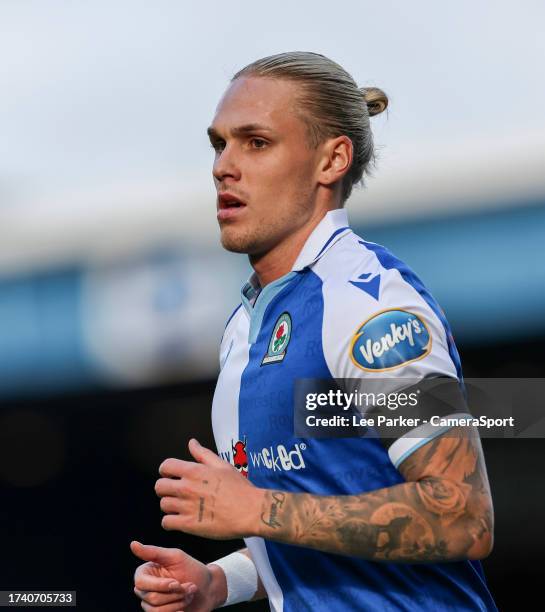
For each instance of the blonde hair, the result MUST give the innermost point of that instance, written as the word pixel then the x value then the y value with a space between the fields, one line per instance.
pixel 331 102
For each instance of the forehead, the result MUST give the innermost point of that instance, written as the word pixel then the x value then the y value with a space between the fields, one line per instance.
pixel 259 100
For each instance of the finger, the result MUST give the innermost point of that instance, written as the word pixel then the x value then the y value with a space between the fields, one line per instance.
pixel 149 582
pixel 171 505
pixel 204 455
pixel 172 607
pixel 158 554
pixel 176 468
pixel 167 487
pixel 157 599
pixel 175 522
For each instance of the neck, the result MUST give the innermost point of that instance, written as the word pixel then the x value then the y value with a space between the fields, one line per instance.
pixel 279 260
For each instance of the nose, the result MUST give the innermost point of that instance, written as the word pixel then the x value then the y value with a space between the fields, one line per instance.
pixel 226 165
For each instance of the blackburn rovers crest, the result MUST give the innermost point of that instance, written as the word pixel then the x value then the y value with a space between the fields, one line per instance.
pixel 279 341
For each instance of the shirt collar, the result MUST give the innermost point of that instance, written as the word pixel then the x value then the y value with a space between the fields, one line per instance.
pixel 331 228
pixel 325 234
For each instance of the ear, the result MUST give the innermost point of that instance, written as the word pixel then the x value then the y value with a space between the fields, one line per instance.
pixel 335 160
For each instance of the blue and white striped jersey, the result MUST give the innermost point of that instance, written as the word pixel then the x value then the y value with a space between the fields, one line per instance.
pixel 310 324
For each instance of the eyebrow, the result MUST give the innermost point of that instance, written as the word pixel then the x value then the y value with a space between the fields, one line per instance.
pixel 241 130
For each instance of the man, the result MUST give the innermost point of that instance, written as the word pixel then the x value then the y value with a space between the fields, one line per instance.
pixel 329 523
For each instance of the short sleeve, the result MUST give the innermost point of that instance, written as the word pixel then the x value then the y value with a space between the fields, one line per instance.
pixel 389 338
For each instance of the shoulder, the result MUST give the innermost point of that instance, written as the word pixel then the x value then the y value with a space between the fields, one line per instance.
pixel 378 315
pixel 345 259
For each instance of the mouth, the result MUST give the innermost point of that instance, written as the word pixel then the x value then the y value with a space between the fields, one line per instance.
pixel 229 206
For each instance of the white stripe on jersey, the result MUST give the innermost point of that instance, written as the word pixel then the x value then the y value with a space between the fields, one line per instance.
pixel 419 436
pixel 235 349
pixel 257 549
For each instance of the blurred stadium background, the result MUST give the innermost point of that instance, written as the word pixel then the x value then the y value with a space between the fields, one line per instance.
pixel 114 291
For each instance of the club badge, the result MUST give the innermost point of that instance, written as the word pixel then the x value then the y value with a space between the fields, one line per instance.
pixel 280 338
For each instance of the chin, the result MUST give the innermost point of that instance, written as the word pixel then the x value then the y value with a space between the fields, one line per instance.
pixel 235 242
pixel 250 241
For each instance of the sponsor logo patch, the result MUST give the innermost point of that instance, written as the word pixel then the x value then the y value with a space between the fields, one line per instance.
pixel 240 456
pixel 279 458
pixel 390 339
pixel 280 338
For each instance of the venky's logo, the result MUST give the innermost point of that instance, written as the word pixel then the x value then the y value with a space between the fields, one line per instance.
pixel 279 341
pixel 390 339
pixel 240 457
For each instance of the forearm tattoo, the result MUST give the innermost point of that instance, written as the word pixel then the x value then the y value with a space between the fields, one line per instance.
pixel 442 513
pixel 269 516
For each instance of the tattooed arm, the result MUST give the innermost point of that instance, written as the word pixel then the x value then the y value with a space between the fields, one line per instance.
pixel 442 513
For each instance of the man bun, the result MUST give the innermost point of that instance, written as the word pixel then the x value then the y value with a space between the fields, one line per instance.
pixel 376 100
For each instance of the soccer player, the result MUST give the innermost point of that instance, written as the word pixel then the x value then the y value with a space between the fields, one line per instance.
pixel 350 523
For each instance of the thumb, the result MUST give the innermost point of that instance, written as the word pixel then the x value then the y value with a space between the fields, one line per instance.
pixel 158 554
pixel 204 455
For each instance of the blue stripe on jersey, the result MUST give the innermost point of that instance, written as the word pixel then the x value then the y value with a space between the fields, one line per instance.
pixel 335 233
pixel 389 261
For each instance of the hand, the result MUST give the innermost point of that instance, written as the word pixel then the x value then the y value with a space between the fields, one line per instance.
pixel 171 580
pixel 208 498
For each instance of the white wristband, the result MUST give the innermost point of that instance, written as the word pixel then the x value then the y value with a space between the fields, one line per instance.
pixel 241 575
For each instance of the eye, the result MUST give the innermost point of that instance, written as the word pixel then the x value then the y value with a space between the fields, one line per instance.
pixel 258 143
